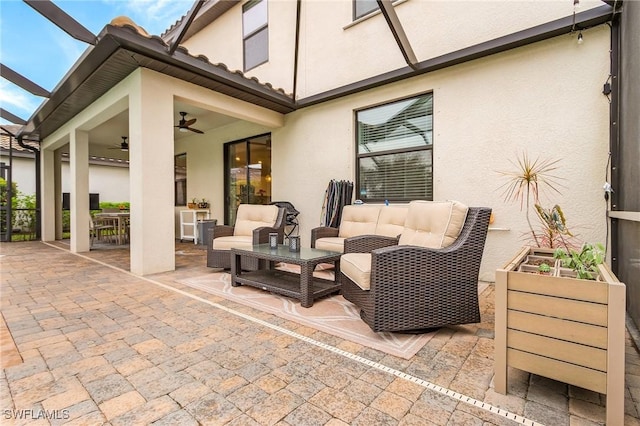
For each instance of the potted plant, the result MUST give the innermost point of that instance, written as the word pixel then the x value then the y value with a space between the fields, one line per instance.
pixel 193 204
pixel 567 324
pixel 583 264
pixel 203 204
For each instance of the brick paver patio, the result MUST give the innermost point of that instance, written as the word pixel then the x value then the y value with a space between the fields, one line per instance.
pixel 97 345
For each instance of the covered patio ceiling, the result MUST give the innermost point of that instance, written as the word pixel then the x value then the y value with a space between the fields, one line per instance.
pixel 105 139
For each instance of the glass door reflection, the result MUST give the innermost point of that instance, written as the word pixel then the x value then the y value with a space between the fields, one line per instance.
pixel 247 174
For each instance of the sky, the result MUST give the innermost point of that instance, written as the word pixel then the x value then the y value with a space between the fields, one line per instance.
pixel 36 48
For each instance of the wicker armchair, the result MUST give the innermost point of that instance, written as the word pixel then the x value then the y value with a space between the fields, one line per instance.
pixel 253 225
pixel 413 288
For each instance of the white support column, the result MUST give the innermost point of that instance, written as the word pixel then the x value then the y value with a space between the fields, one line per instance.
pixel 79 175
pixel 48 213
pixel 151 176
pixel 57 183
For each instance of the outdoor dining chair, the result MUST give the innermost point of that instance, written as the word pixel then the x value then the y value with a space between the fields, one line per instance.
pixel 101 229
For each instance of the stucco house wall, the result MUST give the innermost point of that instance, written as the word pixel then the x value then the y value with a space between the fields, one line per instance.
pixel 335 50
pixel 22 173
pixel 543 99
pixel 222 42
pixel 112 183
pixel 486 113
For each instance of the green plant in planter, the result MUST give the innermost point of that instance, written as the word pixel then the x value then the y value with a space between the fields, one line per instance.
pixel 544 268
pixel 585 262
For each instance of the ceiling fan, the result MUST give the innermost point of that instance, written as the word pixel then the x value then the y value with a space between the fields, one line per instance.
pixel 124 145
pixel 183 124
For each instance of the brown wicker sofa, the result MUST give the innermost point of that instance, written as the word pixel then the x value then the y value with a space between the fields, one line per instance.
pixel 253 225
pixel 412 287
pixel 359 220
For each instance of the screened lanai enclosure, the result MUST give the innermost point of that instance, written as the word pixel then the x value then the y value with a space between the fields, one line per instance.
pixel 390 138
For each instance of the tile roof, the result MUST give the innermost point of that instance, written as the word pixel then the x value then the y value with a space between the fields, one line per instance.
pixel 126 22
pixel 210 11
pixel 120 50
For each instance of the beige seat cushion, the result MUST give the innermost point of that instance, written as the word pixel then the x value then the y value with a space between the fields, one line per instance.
pixel 391 220
pixel 357 267
pixel 358 220
pixel 227 243
pixel 433 224
pixel 331 244
pixel 251 216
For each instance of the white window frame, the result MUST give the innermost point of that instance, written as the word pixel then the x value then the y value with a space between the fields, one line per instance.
pixel 395 132
pixel 255 24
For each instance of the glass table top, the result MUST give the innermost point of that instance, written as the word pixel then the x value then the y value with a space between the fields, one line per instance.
pixel 282 250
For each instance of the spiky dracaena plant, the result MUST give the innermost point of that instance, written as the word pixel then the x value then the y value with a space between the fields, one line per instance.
pixel 527 181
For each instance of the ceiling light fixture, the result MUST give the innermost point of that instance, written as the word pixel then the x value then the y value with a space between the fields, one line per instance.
pixel 580 38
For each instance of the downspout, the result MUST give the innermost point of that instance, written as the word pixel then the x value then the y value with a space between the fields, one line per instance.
pixel 36 154
pixel 296 49
pixel 614 133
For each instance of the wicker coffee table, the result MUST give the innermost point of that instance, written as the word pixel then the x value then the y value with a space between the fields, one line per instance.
pixel 303 286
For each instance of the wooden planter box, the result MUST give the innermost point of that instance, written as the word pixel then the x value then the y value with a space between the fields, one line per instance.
pixel 566 329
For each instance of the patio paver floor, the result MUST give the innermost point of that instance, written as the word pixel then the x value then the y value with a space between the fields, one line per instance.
pixel 100 346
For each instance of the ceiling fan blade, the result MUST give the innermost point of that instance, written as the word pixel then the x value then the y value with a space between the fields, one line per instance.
pixel 195 130
pixel 189 122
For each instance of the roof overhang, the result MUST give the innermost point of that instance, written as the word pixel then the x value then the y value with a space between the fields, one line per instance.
pixel 120 51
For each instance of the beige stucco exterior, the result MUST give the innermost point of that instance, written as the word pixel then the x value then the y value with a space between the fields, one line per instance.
pixel 112 183
pixel 148 97
pixel 335 51
pixel 543 99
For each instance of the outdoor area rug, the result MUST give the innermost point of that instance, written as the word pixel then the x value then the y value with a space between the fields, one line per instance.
pixel 333 315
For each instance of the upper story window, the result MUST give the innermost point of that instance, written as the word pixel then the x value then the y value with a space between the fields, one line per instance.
pixel 255 33
pixel 394 158
pixel 363 7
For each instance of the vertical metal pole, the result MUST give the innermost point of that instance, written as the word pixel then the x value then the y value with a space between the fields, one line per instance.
pixel 614 135
pixel 9 233
pixel 38 197
pixel 4 209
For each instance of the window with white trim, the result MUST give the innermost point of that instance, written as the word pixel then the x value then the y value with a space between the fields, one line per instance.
pixel 255 33
pixel 394 158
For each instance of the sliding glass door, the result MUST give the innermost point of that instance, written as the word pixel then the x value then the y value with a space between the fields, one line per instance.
pixel 247 174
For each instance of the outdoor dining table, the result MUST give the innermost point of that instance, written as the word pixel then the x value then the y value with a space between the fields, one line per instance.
pixel 120 219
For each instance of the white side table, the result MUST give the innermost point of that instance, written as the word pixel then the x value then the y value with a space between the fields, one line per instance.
pixel 189 223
